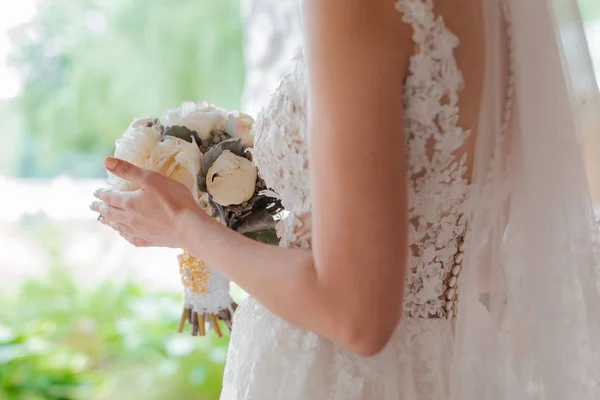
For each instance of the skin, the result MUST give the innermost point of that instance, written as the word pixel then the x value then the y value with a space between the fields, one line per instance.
pixel 356 269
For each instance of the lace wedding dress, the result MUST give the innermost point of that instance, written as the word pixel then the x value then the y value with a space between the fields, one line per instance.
pixel 270 358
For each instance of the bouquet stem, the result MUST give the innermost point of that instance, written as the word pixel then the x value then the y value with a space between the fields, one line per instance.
pixel 198 321
pixel 206 297
pixel 184 318
pixel 201 325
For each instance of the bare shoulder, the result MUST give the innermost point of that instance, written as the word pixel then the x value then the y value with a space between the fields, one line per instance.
pixel 359 20
pixel 378 21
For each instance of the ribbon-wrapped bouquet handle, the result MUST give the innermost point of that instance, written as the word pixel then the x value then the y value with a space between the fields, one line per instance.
pixel 205 147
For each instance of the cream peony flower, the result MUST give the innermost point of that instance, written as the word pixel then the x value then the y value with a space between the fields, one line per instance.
pixel 175 158
pixel 231 179
pixel 135 146
pixel 201 117
pixel 143 122
pixel 179 160
pixel 238 125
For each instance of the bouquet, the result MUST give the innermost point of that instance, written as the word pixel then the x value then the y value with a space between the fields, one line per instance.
pixel 206 148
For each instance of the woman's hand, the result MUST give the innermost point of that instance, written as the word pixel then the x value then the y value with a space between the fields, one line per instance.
pixel 149 216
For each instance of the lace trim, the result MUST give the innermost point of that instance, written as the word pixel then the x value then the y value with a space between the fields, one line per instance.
pixel 438 189
pixel 437 184
pixel 279 150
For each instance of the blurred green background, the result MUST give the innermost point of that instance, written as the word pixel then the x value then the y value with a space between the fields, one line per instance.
pixel 86 69
pixel 590 9
pixel 115 341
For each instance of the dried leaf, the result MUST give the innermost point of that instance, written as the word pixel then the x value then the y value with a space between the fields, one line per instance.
pixel 256 222
pixel 181 132
pixel 268 236
pixel 218 212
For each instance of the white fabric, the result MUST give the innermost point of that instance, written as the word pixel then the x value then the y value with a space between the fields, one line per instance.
pixel 215 298
pixel 271 359
pixel 537 278
pixel 533 268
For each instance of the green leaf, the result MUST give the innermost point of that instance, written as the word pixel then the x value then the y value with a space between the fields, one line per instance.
pixel 182 132
pixel 265 236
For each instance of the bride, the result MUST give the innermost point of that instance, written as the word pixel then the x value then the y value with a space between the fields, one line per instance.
pixel 441 238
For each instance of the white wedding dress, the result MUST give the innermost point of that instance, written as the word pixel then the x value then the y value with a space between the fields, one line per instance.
pixel 270 358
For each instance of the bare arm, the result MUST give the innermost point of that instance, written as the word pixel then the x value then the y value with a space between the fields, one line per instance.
pixel 356 271
pixel 350 287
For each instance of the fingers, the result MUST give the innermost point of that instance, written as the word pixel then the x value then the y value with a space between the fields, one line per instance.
pixel 126 170
pixel 139 176
pixel 114 198
pixel 136 241
pixel 122 229
pixel 126 233
pixel 110 214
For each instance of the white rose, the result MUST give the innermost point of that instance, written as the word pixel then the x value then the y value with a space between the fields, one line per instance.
pixel 203 118
pixel 238 125
pixel 134 146
pixel 231 179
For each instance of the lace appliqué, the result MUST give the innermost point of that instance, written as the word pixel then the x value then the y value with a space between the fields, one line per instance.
pixel 279 147
pixel 270 358
pixel 437 186
pixel 281 156
pixel 293 364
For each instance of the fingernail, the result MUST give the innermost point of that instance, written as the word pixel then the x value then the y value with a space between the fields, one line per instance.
pixel 111 163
